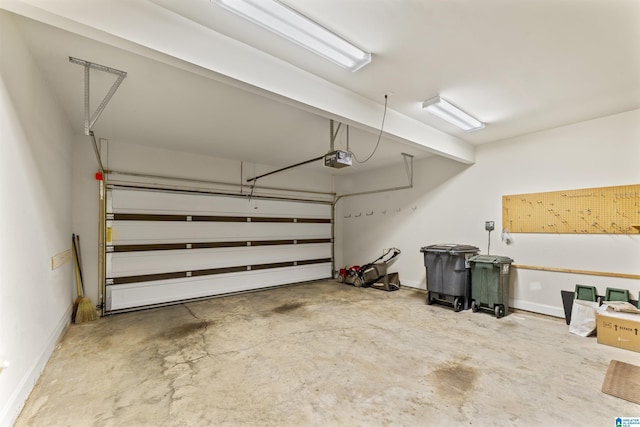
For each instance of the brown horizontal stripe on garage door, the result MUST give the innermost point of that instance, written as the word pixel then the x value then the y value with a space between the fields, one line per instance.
pixel 148 217
pixel 313 261
pixel 270 219
pixel 208 245
pixel 177 246
pixel 215 218
pixel 273 265
pixel 158 247
pixel 314 220
pixel 212 271
pixel 271 242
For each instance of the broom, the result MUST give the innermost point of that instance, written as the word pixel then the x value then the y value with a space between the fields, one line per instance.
pixel 83 309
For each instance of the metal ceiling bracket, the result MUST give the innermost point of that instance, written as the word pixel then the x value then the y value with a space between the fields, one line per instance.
pixel 408 166
pixel 90 119
pixel 333 134
pixel 96 151
pixel 348 149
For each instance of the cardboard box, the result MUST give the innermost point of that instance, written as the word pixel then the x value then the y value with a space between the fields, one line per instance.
pixel 620 330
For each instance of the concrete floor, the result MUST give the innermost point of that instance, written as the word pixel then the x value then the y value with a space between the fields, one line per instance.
pixel 325 354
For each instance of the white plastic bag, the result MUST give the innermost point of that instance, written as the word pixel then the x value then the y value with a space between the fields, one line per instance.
pixel 583 317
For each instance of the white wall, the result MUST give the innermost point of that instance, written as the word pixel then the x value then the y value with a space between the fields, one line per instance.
pixel 35 221
pixel 450 202
pixel 122 156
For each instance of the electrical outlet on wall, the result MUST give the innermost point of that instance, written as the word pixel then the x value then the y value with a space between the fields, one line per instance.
pixel 489 225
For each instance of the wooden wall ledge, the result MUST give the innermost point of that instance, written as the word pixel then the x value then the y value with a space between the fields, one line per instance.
pixel 573 271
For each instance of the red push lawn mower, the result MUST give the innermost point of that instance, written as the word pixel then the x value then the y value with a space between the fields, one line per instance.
pixel 374 274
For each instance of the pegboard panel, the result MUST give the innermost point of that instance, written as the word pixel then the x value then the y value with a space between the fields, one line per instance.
pixel 604 210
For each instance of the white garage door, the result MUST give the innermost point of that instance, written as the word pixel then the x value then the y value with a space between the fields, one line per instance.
pixel 164 247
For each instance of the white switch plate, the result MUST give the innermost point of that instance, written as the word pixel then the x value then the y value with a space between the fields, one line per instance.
pixel 61 259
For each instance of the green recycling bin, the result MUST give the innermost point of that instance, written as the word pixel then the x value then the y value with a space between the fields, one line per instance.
pixel 490 283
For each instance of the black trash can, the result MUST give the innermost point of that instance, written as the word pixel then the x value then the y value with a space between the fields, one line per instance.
pixel 448 274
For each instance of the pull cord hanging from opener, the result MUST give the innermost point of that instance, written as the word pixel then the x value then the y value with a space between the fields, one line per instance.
pixel 384 115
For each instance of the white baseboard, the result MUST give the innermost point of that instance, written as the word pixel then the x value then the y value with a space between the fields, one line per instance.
pixel 10 411
pixel 549 310
pixel 413 284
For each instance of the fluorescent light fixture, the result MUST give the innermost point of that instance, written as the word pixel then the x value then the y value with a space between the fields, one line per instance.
pixel 282 20
pixel 452 114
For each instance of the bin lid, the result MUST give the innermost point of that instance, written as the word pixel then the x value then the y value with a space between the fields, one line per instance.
pixel 450 248
pixel 491 259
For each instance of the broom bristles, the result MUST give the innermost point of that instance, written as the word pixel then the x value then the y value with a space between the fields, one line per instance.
pixel 85 311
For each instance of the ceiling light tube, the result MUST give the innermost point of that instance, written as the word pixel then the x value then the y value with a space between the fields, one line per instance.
pixel 452 114
pixel 286 22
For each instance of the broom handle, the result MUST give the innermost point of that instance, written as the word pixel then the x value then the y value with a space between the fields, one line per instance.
pixel 75 262
pixel 80 262
pixel 79 250
pixel 79 290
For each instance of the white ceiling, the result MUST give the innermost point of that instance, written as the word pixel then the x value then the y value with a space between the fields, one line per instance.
pixel 520 66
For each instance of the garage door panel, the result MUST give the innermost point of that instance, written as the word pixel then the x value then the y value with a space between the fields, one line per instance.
pixel 144 294
pixel 152 262
pixel 158 202
pixel 140 232
pixel 167 246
